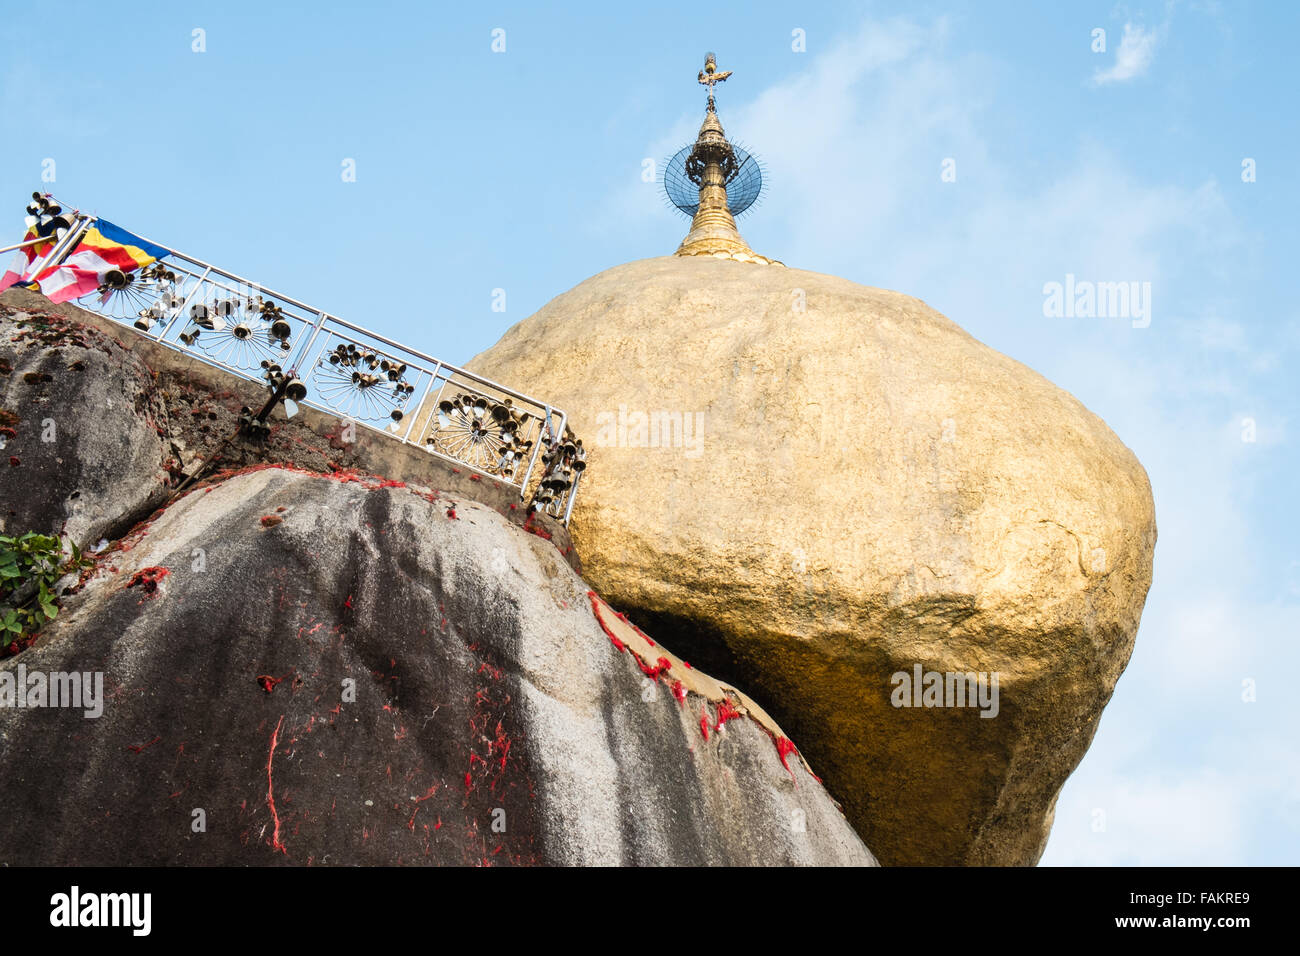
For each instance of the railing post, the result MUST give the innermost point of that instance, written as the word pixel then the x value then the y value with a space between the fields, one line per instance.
pixel 311 340
pixel 532 459
pixel 573 496
pixel 185 304
pixel 406 435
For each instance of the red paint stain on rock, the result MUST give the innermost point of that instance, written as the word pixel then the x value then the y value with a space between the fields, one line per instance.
pixel 148 579
pixel 660 666
pixel 784 747
pixel 726 712
pixel 270 791
pixel 536 529
pixel 268 682
pixel 595 607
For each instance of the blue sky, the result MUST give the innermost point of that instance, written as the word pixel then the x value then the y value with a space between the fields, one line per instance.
pixel 521 171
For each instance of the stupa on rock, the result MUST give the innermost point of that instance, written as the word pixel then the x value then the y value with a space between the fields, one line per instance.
pixel 808 487
pixel 712 166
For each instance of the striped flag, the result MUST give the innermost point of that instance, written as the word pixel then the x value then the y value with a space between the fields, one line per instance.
pixel 24 259
pixel 103 248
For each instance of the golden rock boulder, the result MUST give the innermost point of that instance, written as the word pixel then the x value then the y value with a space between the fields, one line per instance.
pixel 812 488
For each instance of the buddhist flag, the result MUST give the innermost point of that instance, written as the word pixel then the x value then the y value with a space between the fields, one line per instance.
pixel 103 248
pixel 21 264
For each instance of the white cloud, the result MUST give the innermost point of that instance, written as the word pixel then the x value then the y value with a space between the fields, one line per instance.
pixel 1136 50
pixel 856 145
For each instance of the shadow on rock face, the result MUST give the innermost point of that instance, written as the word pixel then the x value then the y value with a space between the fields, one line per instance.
pixel 333 670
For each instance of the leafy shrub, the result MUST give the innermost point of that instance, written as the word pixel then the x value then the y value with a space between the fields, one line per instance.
pixel 30 566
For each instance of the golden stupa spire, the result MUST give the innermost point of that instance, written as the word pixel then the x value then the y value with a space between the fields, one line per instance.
pixel 713 164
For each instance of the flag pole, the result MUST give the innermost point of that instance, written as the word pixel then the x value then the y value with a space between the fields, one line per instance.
pixel 64 245
pixel 29 242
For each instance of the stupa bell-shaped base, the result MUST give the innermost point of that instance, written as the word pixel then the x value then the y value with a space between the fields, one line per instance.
pixel 721 246
pixel 714 233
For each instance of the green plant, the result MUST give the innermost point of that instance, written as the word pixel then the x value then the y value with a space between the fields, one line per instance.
pixel 30 566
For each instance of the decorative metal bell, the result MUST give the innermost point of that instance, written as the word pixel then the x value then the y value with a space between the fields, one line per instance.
pixel 295 391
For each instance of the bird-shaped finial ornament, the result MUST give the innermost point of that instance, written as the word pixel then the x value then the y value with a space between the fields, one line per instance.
pixel 710 77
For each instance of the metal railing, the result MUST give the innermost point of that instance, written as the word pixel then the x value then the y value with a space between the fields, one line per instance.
pixel 227 321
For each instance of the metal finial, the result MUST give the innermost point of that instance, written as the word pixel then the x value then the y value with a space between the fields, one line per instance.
pixel 710 76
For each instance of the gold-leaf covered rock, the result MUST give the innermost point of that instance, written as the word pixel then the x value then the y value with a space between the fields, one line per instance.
pixel 808 487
